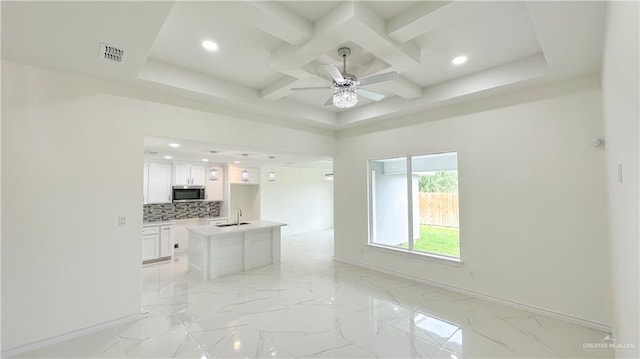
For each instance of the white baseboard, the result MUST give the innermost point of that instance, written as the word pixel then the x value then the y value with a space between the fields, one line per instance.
pixel 67 336
pixel 531 308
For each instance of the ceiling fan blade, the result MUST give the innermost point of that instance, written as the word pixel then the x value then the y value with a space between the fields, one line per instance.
pixel 309 88
pixel 335 73
pixel 329 101
pixel 378 78
pixel 370 94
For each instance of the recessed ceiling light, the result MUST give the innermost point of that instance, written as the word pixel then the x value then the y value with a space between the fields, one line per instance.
pixel 236 161
pixel 167 157
pixel 210 45
pixel 174 145
pixel 205 160
pixel 459 60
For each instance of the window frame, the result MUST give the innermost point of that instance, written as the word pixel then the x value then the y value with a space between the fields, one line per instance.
pixel 371 201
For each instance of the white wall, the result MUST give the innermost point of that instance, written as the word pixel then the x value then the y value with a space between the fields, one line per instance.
pixel 72 155
pixel 620 79
pixel 244 197
pixel 300 197
pixel 532 203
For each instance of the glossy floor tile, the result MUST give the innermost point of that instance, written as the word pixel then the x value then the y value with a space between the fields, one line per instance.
pixel 309 306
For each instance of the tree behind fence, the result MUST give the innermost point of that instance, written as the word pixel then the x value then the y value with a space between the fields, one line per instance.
pixel 439 209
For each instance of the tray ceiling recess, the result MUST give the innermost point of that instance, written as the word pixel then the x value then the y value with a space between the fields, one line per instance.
pixel 266 49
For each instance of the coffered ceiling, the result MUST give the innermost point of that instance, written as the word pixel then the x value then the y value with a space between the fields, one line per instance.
pixel 268 47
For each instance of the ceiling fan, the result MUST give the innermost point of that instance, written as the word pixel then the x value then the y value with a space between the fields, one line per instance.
pixel 346 87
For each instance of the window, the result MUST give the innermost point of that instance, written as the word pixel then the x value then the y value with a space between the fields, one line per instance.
pixel 413 204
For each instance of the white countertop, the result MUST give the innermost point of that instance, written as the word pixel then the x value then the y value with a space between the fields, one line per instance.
pixel 158 223
pixel 253 225
pixel 202 221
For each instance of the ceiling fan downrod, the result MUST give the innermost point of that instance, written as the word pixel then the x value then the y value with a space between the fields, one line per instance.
pixel 344 52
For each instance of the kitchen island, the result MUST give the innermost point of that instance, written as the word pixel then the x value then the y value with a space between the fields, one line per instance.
pixel 215 251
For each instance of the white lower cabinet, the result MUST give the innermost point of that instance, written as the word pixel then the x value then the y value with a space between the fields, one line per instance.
pixel 157 241
pixel 150 247
pixel 166 241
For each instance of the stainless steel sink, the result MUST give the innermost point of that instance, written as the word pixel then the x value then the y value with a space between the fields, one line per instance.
pixel 231 224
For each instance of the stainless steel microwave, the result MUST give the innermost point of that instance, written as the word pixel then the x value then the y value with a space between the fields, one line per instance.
pixel 188 193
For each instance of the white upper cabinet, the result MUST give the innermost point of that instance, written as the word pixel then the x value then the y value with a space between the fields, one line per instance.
pixel 198 175
pixel 235 175
pixel 189 175
pixel 182 175
pixel 157 182
pixel 215 188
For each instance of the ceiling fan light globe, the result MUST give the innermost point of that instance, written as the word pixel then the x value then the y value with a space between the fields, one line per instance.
pixel 344 97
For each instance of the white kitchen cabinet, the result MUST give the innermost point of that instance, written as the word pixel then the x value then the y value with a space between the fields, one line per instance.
pixel 157 242
pixel 150 247
pixel 166 241
pixel 189 175
pixel 214 188
pixel 158 182
pixel 198 175
pixel 235 175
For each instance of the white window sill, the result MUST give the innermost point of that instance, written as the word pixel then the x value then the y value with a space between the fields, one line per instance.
pixel 429 256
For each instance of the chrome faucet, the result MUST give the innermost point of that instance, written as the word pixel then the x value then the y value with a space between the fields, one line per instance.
pixel 238 217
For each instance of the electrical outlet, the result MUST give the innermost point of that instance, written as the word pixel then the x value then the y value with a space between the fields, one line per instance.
pixel 361 250
pixel 122 221
pixel 472 274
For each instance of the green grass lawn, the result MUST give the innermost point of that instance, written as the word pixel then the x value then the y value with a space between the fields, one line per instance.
pixel 439 240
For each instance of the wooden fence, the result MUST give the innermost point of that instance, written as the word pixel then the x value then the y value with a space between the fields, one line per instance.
pixel 439 209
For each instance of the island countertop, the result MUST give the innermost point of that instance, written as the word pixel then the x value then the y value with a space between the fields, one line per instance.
pixel 213 230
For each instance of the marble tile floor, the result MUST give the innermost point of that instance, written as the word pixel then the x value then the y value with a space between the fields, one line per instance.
pixel 309 306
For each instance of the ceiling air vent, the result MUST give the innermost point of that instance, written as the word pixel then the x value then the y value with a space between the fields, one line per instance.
pixel 111 53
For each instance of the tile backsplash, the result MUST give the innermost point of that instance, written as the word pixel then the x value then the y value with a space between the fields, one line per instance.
pixel 168 211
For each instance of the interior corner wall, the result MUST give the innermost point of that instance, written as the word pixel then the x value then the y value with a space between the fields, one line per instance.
pixel 620 82
pixel 70 166
pixel 299 197
pixel 72 155
pixel 533 225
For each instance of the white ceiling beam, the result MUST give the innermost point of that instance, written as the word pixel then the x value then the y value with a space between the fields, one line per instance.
pixel 369 31
pixel 246 98
pixel 476 84
pixel 277 20
pixel 348 22
pixel 415 21
pixel 426 16
pixel 328 33
pixel 278 89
